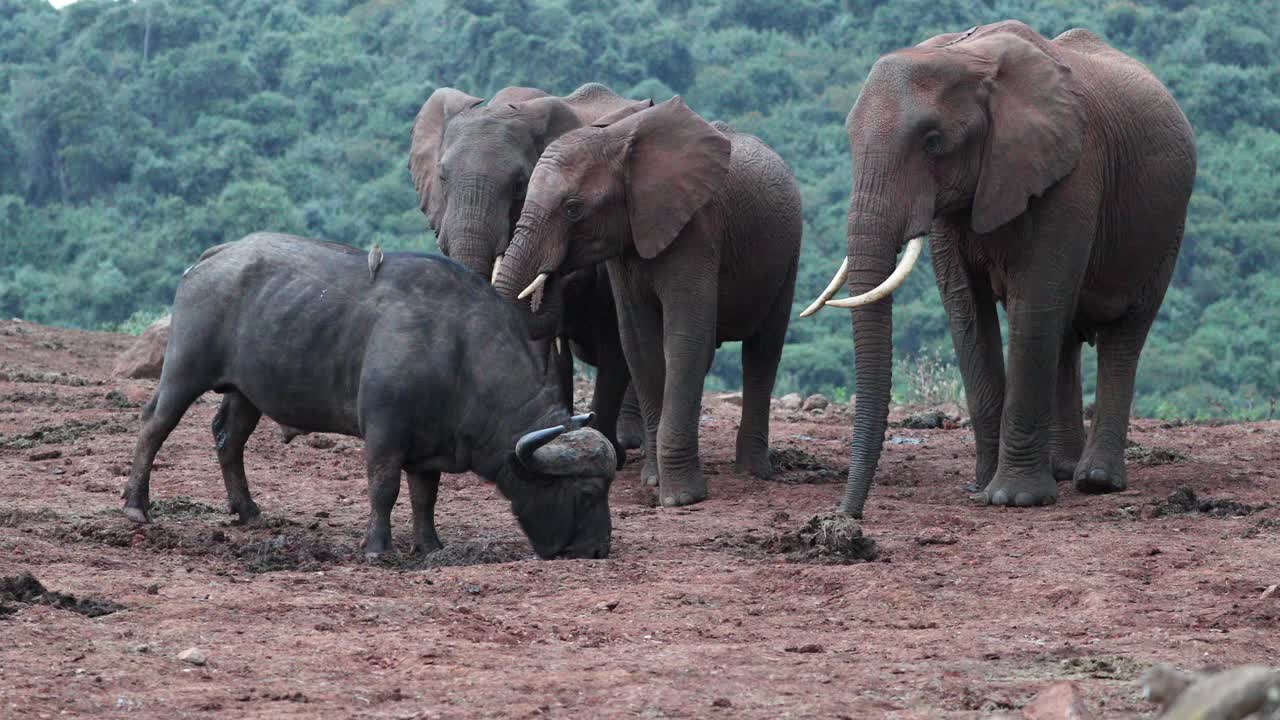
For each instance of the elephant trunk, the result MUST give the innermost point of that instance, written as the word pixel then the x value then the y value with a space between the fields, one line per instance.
pixel 879 222
pixel 476 226
pixel 873 372
pixel 537 250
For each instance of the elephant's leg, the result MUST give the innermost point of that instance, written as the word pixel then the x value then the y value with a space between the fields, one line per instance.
pixel 1101 468
pixel 423 488
pixel 631 422
pixel 975 333
pixel 640 329
pixel 1066 437
pixel 612 383
pixel 688 346
pixel 1024 476
pixel 760 356
pixel 234 422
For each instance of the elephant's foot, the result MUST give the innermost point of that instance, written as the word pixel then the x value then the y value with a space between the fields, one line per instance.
pixel 1064 469
pixel 755 462
pixel 682 488
pixel 630 432
pixel 1020 490
pixel 1097 473
pixel 649 473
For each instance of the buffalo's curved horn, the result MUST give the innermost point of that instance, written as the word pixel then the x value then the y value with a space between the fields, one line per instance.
pixel 533 286
pixel 529 444
pixel 909 256
pixel 580 421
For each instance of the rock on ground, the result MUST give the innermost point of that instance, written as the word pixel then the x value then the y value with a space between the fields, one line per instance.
pixel 146 356
pixel 790 401
pixel 1059 701
pixel 815 402
pixel 193 656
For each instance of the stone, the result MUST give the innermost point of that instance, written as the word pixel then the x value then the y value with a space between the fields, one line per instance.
pixel 145 357
pixel 815 402
pixel 192 656
pixel 791 401
pixel 319 442
pixel 1059 701
pixel 935 536
pixel 734 398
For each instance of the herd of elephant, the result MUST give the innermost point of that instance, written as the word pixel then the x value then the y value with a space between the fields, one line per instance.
pixel 1051 176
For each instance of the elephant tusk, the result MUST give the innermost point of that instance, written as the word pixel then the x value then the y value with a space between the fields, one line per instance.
pixel 497 265
pixel 533 286
pixel 909 256
pixel 832 288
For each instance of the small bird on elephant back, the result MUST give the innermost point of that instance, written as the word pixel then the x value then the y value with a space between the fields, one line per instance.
pixel 1051 176
pixel 699 229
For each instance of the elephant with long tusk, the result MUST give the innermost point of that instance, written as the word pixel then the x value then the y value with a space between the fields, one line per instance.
pixel 1051 176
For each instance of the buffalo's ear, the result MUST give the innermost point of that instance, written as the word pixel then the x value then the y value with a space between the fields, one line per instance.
pixel 428 135
pixel 1036 132
pixel 675 162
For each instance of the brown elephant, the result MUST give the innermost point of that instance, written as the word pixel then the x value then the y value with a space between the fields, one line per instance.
pixel 699 227
pixel 470 163
pixel 1050 176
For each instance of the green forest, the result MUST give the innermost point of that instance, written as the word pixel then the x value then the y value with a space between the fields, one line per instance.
pixel 135 134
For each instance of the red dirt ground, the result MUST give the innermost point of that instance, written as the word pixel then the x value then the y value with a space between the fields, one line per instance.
pixel 688 618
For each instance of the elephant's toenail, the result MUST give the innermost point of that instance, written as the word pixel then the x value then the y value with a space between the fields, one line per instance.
pixel 1024 499
pixel 1097 475
pixel 1000 497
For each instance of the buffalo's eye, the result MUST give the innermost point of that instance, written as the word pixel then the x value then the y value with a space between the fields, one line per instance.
pixel 933 142
pixel 573 208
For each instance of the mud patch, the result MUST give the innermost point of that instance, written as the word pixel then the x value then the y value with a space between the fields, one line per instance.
pixel 829 539
pixel 25 589
pixel 1184 501
pixel 285 552
pixel 1107 667
pixel 180 507
pixel 68 432
pixel 1152 456
pixel 467 553
pixel 793 466
pixel 20 516
pixel 48 378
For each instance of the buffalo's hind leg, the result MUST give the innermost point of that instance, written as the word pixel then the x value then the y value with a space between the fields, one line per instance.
pixel 160 417
pixel 423 488
pixel 232 425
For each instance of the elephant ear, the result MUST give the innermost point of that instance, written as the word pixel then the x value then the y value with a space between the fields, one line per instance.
pixel 428 135
pixel 1036 132
pixel 675 161
pixel 623 113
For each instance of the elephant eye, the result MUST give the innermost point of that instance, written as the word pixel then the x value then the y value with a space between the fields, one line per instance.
pixel 933 142
pixel 573 209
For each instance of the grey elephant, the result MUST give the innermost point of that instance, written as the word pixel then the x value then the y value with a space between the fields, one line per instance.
pixel 1048 175
pixel 470 164
pixel 699 228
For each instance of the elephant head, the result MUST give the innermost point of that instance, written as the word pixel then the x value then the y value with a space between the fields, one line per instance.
pixel 963 129
pixel 625 188
pixel 471 163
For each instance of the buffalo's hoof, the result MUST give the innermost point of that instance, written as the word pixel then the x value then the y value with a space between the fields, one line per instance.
pixel 1020 492
pixel 425 547
pixel 137 515
pixel 246 515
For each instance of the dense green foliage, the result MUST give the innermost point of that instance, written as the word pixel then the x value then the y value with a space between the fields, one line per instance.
pixel 134 135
